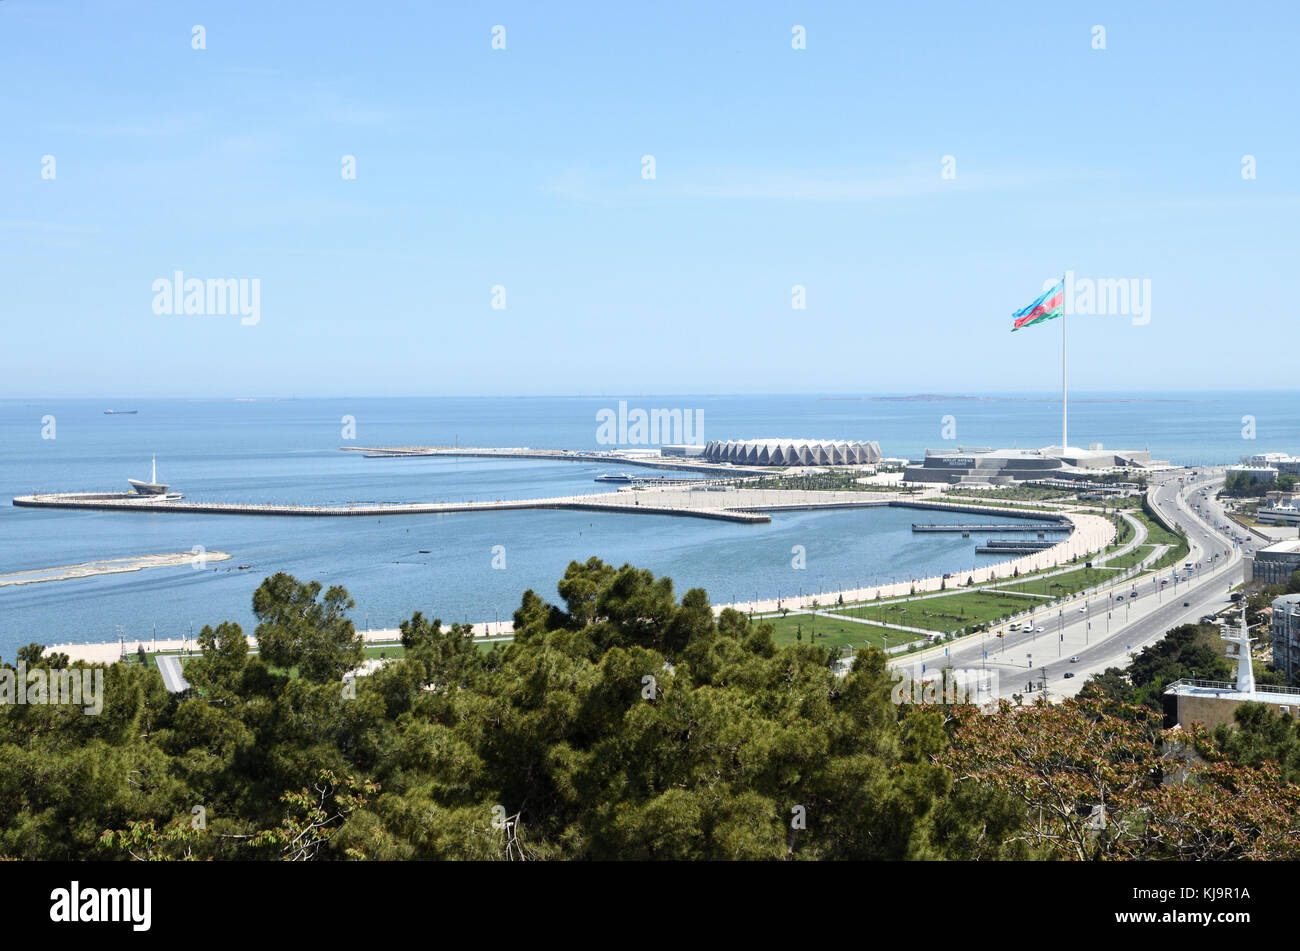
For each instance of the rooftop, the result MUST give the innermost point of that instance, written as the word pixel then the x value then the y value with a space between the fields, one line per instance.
pixel 1286 547
pixel 1223 688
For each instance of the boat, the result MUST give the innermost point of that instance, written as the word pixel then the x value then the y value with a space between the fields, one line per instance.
pixel 120 412
pixel 621 477
pixel 153 486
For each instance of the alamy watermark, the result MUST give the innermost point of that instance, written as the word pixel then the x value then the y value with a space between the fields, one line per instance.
pixel 950 685
pixel 639 427
pixel 81 687
pixel 77 904
pixel 1106 297
pixel 215 297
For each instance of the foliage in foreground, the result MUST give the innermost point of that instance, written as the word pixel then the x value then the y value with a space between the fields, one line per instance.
pixel 621 723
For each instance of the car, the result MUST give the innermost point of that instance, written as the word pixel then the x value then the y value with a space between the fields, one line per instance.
pixel 1119 597
pixel 1038 630
pixel 1068 674
pixel 1074 659
pixel 1083 610
pixel 1187 604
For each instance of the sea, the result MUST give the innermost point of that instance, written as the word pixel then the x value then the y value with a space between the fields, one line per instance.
pixel 475 566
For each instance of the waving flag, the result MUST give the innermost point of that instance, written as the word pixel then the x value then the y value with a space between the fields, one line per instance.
pixel 1050 305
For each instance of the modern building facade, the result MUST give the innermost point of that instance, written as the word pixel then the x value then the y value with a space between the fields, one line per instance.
pixel 793 452
pixel 1005 466
pixel 1265 474
pixel 1283 463
pixel 1276 563
pixel 1286 636
pixel 1283 513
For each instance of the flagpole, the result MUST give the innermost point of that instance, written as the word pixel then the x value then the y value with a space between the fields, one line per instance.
pixel 1064 372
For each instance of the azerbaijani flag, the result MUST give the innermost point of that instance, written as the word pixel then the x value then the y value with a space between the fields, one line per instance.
pixel 1050 305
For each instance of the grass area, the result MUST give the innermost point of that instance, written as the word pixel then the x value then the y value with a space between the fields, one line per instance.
pixel 1064 584
pixel 1005 503
pixel 946 613
pixel 1132 558
pixel 1176 556
pixel 1128 502
pixel 1020 493
pixel 1157 533
pixel 837 481
pixel 799 628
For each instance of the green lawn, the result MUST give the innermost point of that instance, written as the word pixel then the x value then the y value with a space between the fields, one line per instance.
pixel 1132 558
pixel 1067 583
pixel 1175 556
pixel 1021 493
pixel 1004 503
pixel 833 633
pixel 945 613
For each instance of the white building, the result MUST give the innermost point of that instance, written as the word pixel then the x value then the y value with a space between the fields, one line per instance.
pixel 793 452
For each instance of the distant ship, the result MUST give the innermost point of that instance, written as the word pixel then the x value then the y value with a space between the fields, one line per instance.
pixel 153 486
pixel 120 412
pixel 620 477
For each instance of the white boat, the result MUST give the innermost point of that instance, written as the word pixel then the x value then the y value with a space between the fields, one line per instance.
pixel 153 486
pixel 621 477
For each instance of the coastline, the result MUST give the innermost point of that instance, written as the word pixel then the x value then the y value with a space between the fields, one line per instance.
pixel 1091 534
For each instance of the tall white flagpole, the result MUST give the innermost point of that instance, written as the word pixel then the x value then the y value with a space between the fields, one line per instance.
pixel 1064 371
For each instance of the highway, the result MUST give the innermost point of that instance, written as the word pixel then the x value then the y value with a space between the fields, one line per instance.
pixel 1091 632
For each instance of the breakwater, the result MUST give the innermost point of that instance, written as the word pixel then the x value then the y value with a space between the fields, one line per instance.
pixel 622 503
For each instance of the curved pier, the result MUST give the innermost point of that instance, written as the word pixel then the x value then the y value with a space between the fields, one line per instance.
pixel 607 502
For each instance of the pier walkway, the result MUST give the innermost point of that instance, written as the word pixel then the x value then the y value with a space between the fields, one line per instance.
pixel 995 527
pixel 623 503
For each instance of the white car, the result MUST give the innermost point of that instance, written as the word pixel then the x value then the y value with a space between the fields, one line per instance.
pixel 1038 630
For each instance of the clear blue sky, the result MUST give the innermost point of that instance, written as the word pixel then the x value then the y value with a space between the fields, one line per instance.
pixel 522 167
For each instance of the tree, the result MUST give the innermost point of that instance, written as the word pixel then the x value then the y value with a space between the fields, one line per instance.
pixel 1262 736
pixel 31 654
pixel 297 630
pixel 1094 785
pixel 622 722
pixel 219 668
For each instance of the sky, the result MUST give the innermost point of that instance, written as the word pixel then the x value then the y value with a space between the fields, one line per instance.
pixel 919 170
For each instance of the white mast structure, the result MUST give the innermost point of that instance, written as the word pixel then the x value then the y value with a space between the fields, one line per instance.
pixel 1245 669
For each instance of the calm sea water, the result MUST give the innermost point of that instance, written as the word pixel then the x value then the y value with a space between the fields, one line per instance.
pixel 287 451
